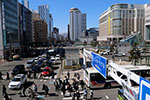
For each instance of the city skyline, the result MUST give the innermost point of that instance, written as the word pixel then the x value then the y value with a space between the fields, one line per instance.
pixel 60 9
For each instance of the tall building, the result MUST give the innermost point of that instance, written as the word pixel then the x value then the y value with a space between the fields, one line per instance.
pixel 56 33
pixel 83 22
pixel 44 15
pixel 147 23
pixel 120 20
pixel 25 27
pixel 9 41
pixel 75 24
pixel 39 30
pixel 25 3
pixel 51 24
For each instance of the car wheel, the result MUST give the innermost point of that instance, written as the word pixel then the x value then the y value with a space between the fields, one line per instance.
pixel 107 86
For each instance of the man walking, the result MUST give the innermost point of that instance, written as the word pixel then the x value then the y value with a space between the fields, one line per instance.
pixel 68 74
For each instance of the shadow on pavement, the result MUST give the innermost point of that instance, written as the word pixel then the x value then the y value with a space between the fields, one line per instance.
pixel 53 94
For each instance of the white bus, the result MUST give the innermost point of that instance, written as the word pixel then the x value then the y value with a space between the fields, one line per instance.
pixel 93 79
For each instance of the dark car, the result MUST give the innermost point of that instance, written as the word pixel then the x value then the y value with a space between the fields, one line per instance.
pixel 36 69
pixel 18 69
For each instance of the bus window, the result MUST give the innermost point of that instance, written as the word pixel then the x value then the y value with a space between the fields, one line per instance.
pixel 96 77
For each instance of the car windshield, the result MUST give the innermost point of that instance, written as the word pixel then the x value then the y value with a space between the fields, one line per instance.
pixel 16 79
pixel 46 70
pixel 29 62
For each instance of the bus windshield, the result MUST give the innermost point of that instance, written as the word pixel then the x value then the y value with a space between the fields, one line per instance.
pixel 96 77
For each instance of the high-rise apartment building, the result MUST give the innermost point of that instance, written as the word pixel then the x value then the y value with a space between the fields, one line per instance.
pixel 9 40
pixel 44 15
pixel 77 24
pixel 25 3
pixel 120 20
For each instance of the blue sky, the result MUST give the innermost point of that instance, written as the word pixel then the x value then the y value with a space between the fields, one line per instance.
pixel 93 8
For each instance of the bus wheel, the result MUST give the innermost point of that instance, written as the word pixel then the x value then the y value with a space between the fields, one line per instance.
pixel 107 86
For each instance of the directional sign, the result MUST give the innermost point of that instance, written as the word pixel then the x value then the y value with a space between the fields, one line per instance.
pixel 144 89
pixel 99 63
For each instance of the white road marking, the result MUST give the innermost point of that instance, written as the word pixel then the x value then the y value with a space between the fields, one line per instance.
pixel 106 97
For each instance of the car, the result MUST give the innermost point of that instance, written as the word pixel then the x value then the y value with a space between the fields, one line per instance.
pixel 120 54
pixel 18 69
pixel 29 64
pixel 49 63
pixel 47 72
pixel 36 59
pixel 57 57
pixel 36 69
pixel 18 81
pixel 52 59
pixel 40 63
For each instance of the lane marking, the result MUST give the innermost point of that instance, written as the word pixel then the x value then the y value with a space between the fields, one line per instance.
pixel 106 97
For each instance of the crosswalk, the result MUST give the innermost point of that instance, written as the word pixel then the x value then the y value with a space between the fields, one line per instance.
pixel 69 97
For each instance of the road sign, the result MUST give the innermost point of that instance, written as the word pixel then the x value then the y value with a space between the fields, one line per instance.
pixel 144 89
pixel 99 63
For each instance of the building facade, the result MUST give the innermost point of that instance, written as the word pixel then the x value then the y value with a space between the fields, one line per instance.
pixel 43 10
pixel 25 27
pixel 56 33
pixel 75 24
pixel 147 23
pixel 51 24
pixel 9 27
pixel 90 35
pixel 83 22
pixel 119 20
pixel 25 3
pixel 39 32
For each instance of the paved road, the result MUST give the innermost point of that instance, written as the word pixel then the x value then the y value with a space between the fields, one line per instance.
pixel 100 94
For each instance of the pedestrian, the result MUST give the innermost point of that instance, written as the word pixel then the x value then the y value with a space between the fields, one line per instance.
pixel 6 96
pixel 30 93
pixel 78 76
pixel 63 89
pixel 7 76
pixel 23 91
pixel 1 75
pixel 73 96
pixel 75 74
pixel 66 80
pixel 56 85
pixel 91 94
pixel 34 74
pixel 85 92
pixel 68 74
pixel 82 84
pixel 35 88
pixel 46 90
pixel 78 95
pixel 4 90
pixel 29 74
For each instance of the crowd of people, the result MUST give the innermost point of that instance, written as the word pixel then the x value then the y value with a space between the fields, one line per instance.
pixel 72 87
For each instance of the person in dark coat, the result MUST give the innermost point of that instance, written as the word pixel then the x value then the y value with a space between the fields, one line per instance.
pixel 68 74
pixel 1 75
pixel 7 76
pixel 6 96
pixel 4 90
